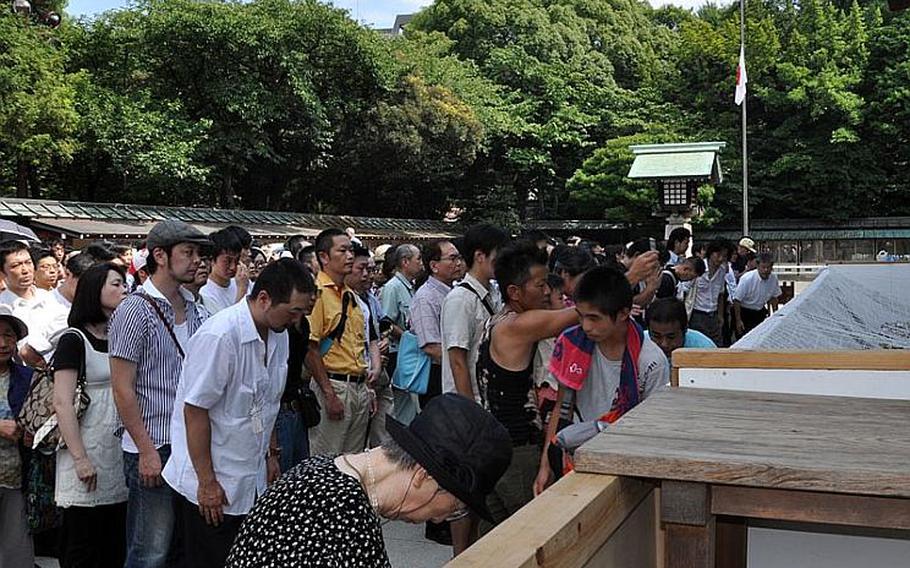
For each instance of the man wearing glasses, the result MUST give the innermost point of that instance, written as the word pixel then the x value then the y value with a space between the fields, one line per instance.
pixel 443 264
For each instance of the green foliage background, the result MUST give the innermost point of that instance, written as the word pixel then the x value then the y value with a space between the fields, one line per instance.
pixel 496 109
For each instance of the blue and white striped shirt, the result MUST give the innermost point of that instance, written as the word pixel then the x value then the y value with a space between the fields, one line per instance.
pixel 136 334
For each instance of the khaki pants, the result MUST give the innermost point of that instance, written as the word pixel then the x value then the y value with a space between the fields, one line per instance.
pixel 348 435
pixel 384 407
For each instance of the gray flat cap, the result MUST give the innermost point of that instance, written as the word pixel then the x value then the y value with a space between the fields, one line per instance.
pixel 173 231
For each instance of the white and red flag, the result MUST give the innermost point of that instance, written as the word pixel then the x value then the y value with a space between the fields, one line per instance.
pixel 741 78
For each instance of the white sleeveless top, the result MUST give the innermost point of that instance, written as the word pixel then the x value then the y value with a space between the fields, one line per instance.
pixel 102 447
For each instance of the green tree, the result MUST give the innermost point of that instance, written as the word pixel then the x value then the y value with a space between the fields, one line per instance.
pixel 38 120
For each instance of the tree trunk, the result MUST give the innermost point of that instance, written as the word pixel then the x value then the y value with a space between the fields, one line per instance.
pixel 22 178
pixel 227 190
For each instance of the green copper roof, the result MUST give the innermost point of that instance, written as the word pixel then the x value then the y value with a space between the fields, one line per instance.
pixel 659 161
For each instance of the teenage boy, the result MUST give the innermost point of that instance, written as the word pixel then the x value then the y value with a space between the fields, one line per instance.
pixel 466 308
pixel 223 290
pixel 605 366
pixel 668 327
pixel 685 270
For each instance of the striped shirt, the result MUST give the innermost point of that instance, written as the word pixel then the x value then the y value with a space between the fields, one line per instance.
pixel 138 335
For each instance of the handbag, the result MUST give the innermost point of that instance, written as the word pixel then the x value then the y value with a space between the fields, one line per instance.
pixel 38 418
pixel 412 373
pixel 310 410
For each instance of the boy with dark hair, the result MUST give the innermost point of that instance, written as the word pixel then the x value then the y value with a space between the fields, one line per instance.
pixel 677 244
pixel 707 308
pixel 604 367
pixel 467 307
pixel 223 290
pixel 668 327
pixel 684 271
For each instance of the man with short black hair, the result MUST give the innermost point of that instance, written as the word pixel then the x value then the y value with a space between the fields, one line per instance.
pixel 678 244
pixel 225 447
pixel 707 317
pixel 605 366
pixel 27 302
pixel 466 308
pixel 506 365
pixel 336 356
pixel 756 289
pixel 668 327
pixel 149 333
pixel 226 285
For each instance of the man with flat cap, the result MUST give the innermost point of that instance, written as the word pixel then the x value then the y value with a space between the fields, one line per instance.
pixel 149 333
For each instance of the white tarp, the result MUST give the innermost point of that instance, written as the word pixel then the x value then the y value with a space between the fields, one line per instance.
pixel 845 307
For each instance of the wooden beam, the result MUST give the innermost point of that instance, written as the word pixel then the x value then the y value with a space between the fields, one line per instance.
pixel 811 507
pixel 685 503
pixel 563 527
pixel 878 360
pixel 689 546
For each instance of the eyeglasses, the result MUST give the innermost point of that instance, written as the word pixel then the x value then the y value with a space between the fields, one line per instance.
pixel 453 258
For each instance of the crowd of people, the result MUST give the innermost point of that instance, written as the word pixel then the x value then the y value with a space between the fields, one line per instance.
pixel 220 404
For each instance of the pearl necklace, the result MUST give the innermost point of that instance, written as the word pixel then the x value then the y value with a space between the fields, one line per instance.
pixel 371 487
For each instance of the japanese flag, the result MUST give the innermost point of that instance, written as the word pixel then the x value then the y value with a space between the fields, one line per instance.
pixel 741 78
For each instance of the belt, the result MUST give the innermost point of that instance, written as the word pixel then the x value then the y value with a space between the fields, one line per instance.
pixel 347 378
pixel 291 405
pixel 712 314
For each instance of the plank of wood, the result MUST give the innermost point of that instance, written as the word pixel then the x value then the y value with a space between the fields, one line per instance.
pixel 805 507
pixel 731 543
pixel 879 359
pixel 685 503
pixel 814 443
pixel 689 546
pixel 563 527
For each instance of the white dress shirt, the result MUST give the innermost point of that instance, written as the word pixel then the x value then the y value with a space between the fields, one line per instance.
pixel 38 313
pixel 225 372
pixel 709 289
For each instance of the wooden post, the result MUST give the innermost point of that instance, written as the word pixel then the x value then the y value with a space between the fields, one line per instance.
pixel 688 523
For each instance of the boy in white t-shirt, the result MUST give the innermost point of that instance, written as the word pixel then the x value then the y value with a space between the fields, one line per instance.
pixel 223 290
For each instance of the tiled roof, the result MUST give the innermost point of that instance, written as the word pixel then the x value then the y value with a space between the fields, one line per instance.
pixel 99 218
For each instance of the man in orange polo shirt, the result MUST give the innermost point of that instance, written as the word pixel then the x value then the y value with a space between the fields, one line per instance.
pixel 336 354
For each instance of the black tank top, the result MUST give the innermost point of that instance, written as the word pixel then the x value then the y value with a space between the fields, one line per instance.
pixel 508 395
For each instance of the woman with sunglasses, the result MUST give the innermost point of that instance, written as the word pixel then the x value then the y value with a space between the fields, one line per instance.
pixel 327 511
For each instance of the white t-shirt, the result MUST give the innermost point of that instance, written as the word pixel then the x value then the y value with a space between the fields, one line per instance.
pixel 753 292
pixel 599 390
pixel 216 298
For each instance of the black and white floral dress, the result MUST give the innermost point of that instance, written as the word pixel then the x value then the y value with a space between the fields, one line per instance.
pixel 315 515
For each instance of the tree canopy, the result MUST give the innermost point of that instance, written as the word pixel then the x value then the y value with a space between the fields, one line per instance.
pixel 495 109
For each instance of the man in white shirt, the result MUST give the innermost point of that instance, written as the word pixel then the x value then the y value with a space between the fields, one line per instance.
pixel 465 310
pixel 755 290
pixel 26 302
pixel 709 289
pixel 222 290
pixel 224 446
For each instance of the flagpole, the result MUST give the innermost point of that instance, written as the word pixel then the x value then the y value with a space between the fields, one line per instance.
pixel 742 42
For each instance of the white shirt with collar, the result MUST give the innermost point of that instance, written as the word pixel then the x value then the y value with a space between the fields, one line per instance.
pixel 38 313
pixel 462 321
pixel 709 288
pixel 225 372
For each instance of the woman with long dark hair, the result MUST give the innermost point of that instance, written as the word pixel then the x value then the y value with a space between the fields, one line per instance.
pixel 90 486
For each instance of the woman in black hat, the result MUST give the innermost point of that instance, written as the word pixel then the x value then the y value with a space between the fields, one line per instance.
pixel 326 511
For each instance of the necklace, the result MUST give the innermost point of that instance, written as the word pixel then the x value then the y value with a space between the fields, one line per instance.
pixel 371 488
pixel 371 480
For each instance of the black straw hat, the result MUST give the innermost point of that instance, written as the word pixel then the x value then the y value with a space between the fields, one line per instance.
pixel 460 445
